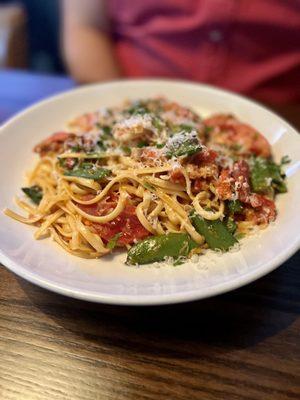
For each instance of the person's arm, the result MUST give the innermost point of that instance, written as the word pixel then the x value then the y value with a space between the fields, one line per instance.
pixel 87 48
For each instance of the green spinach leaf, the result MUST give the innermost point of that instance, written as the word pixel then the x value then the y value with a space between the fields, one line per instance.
pixel 35 193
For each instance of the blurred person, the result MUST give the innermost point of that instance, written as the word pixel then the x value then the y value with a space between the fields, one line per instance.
pixel 251 47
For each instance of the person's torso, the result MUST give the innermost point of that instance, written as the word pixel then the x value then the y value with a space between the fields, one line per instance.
pixel 247 46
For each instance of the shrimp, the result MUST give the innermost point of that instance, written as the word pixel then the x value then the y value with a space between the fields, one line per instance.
pixel 229 131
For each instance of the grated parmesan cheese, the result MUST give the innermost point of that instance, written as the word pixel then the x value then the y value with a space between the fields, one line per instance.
pixel 133 127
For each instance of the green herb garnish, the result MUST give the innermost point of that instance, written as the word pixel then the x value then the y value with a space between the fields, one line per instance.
pixel 143 143
pixel 107 130
pixel 157 123
pixel 138 108
pixel 239 236
pixel 230 224
pixel 35 193
pixel 157 248
pixel 285 160
pixel 89 171
pixel 76 148
pixel 234 206
pixel 101 145
pixel 186 147
pixel 186 128
pixel 216 233
pixel 265 174
pixel 126 150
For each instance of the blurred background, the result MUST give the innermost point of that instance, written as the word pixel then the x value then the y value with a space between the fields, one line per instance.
pixel 249 47
pixel 29 35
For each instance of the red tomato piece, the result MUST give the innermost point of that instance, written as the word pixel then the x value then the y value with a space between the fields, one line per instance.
pixel 240 174
pixel 126 223
pixel 241 168
pixel 103 207
pixel 150 156
pixel 235 181
pixel 204 157
pixel 224 185
pixel 255 200
pixel 198 185
pixel 176 176
pixel 264 210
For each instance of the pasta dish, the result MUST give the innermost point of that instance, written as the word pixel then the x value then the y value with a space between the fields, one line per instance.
pixel 153 177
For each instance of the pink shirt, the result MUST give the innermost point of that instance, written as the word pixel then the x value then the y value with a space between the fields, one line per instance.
pixel 248 46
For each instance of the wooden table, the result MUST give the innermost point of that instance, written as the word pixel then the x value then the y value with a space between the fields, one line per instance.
pixel 239 346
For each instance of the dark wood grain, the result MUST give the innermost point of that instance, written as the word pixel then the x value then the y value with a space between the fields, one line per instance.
pixel 239 346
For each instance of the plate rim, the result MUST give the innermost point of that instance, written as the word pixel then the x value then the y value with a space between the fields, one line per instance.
pixel 151 299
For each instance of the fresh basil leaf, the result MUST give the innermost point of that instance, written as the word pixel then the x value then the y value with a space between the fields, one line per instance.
pixel 101 145
pixel 216 232
pixel 141 144
pixel 138 108
pixel 265 174
pixel 239 236
pixel 234 206
pixel 186 128
pixel 86 156
pixel 88 171
pixel 35 193
pixel 157 123
pixel 107 130
pixel 62 162
pixel 230 225
pixel 76 149
pixel 126 150
pixel 285 160
pixel 187 147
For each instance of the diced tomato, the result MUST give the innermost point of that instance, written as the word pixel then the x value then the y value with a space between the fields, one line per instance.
pixel 53 143
pixel 224 185
pixel 149 152
pixel 204 157
pixel 149 156
pixel 127 223
pixel 229 131
pixel 255 200
pixel 264 210
pixel 240 174
pixel 176 176
pixel 241 168
pixel 235 181
pixel 198 185
pixel 103 207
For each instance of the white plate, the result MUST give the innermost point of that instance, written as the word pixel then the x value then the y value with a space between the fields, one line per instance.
pixel 108 280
